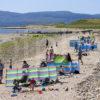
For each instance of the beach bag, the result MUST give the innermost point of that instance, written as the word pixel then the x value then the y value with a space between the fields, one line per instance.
pixel 76 72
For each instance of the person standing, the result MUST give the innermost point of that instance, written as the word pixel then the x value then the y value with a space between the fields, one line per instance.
pixel 10 65
pixel 1 71
pixel 47 43
pixel 76 46
pixel 51 53
pixel 80 56
pixel 92 45
pixel 32 83
pixel 56 44
pixel 47 56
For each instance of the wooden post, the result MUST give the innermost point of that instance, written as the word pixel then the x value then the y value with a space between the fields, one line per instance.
pixel 17 73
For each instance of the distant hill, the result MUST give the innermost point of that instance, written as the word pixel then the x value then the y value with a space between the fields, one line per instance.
pixel 85 23
pixel 49 17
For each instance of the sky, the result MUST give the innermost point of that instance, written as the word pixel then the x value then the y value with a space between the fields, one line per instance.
pixel 77 6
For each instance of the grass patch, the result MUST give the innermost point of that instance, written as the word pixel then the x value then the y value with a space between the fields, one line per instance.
pixel 7 44
pixel 84 24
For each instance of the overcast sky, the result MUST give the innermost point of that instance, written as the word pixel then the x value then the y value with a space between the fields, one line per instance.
pixel 78 6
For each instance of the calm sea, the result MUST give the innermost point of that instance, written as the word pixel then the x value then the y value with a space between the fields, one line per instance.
pixel 10 31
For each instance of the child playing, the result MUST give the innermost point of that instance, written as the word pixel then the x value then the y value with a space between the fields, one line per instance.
pixel 32 83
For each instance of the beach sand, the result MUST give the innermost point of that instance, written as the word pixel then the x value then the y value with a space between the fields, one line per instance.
pixel 75 83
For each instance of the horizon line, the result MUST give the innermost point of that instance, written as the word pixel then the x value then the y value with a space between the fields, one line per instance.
pixel 48 11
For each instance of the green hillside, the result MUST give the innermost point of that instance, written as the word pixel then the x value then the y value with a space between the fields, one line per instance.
pixel 85 24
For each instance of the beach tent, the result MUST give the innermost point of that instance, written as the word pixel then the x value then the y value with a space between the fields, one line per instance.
pixel 60 59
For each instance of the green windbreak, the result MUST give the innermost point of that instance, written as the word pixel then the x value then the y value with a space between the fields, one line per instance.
pixel 36 73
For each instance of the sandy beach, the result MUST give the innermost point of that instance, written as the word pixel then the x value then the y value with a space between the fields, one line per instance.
pixel 84 86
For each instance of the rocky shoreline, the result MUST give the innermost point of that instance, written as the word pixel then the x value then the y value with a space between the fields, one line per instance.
pixel 89 89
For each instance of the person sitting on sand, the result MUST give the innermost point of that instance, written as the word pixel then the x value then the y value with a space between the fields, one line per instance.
pixel 44 83
pixel 16 86
pixel 43 64
pixel 1 71
pixel 61 71
pixel 47 43
pixel 25 65
pixel 24 78
pixel 47 81
pixel 16 82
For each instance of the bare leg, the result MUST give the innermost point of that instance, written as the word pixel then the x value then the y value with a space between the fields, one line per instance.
pixel 81 61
